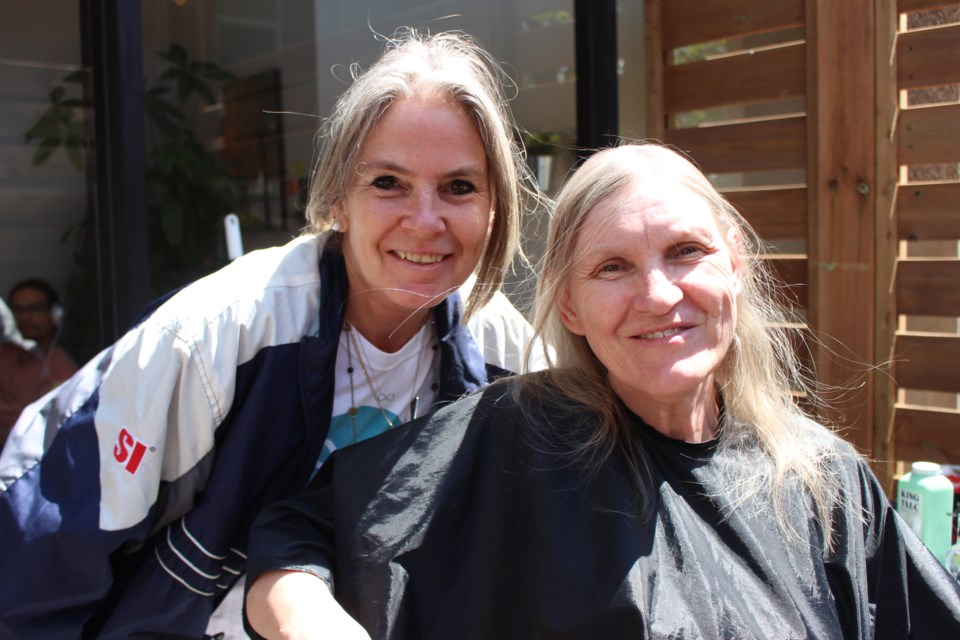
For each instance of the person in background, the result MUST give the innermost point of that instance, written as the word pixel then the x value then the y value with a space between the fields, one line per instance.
pixel 658 480
pixel 126 499
pixel 28 372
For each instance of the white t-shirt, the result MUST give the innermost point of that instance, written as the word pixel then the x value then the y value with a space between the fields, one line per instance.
pixel 402 379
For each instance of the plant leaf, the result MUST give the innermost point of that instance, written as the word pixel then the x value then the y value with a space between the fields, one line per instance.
pixel 171 74
pixel 204 90
pixel 48 126
pixel 75 153
pixel 75 76
pixel 211 71
pixel 46 148
pixel 175 54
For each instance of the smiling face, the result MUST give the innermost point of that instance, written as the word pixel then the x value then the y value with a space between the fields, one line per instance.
pixel 416 215
pixel 653 290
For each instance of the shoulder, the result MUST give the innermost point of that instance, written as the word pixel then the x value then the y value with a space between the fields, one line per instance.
pixel 502 333
pixel 265 278
pixel 62 366
pixel 10 351
pixel 265 298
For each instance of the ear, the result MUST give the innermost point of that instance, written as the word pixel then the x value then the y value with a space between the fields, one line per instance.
pixel 340 217
pixel 568 313
pixel 735 243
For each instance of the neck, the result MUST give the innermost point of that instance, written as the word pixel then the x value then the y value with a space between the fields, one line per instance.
pixel 388 336
pixel 44 345
pixel 693 419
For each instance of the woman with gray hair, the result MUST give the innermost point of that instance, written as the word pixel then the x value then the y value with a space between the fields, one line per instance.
pixel 128 494
pixel 658 480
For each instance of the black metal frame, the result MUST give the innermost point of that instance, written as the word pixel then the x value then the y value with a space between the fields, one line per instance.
pixel 598 119
pixel 112 51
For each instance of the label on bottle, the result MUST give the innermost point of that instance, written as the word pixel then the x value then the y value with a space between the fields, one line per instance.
pixel 910 507
pixel 953 561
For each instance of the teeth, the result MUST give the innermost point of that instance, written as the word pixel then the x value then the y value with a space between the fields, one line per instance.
pixel 420 258
pixel 660 334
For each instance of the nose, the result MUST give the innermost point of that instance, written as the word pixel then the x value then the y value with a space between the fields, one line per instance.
pixel 657 292
pixel 424 217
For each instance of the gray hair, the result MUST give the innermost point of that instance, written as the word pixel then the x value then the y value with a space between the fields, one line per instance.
pixel 453 66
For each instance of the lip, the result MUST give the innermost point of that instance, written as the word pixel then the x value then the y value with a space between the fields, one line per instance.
pixel 420 258
pixel 664 333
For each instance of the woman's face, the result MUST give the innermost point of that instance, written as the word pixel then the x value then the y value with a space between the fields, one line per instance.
pixel 653 289
pixel 417 213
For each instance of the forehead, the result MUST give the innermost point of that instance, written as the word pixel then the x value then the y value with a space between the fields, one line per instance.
pixel 421 117
pixel 648 209
pixel 28 295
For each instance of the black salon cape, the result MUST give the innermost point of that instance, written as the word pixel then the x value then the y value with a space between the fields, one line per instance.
pixel 469 525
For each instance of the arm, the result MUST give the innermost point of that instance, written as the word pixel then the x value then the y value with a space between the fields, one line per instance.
pixel 290 567
pixel 297 606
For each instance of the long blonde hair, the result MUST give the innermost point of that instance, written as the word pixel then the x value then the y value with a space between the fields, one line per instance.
pixel 758 379
pixel 453 66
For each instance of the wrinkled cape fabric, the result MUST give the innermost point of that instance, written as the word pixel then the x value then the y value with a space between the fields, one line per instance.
pixel 473 524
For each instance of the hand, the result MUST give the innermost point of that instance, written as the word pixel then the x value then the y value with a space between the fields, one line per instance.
pixel 293 605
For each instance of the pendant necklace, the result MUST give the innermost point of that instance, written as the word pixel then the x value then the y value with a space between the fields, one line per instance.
pixel 354 345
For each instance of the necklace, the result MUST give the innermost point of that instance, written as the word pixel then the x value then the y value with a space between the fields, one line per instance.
pixel 353 344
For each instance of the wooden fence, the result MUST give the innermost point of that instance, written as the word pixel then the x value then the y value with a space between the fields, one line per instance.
pixel 801 112
pixel 922 118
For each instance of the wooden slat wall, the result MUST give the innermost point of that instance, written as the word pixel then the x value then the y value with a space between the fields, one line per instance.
pixel 928 211
pixel 921 54
pixel 759 101
pixel 925 361
pixel 694 21
pixel 765 75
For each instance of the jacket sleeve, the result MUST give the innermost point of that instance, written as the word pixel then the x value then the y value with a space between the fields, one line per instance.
pixel 503 335
pixel 90 471
pixel 910 593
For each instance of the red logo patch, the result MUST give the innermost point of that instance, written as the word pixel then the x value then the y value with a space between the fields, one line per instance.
pixel 129 451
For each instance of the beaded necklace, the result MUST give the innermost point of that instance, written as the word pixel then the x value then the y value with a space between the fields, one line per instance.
pixel 354 345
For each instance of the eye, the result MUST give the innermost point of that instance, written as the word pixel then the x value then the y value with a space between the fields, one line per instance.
pixel 689 250
pixel 384 182
pixel 461 187
pixel 609 270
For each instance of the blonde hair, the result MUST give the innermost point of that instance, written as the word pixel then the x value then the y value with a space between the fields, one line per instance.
pixel 452 66
pixel 758 378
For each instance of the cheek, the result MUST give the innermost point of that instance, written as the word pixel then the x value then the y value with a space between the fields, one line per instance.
pixel 475 230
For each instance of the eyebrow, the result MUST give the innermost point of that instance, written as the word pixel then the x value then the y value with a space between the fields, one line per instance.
pixel 468 171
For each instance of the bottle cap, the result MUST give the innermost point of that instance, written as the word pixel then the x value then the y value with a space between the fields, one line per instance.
pixel 925 468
